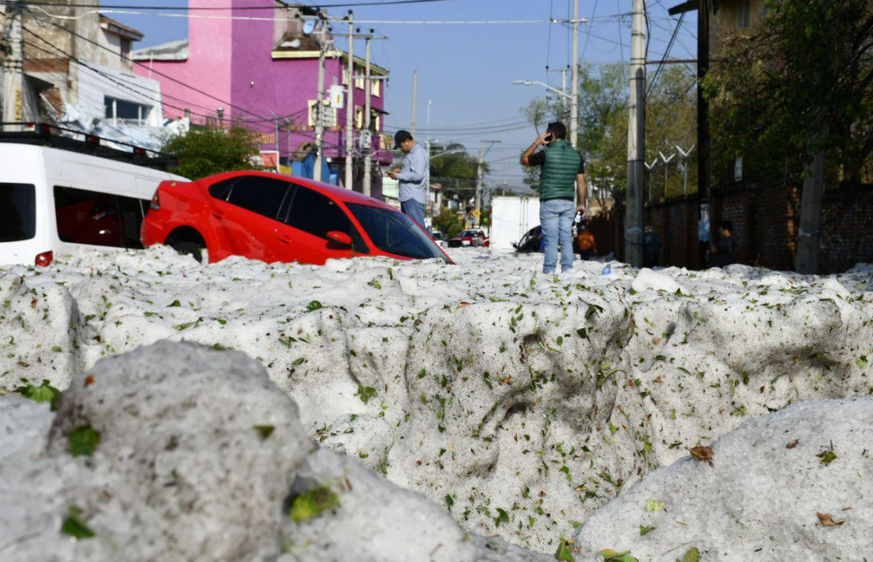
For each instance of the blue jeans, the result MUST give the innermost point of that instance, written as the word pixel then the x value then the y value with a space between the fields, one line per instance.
pixel 414 210
pixel 556 218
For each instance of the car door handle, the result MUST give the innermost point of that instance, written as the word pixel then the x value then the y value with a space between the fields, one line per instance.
pixel 218 215
pixel 284 240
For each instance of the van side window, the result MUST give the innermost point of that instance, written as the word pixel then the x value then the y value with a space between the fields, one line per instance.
pixel 317 214
pixel 259 195
pixel 17 212
pixel 98 219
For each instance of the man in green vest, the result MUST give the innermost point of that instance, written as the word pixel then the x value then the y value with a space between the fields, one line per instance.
pixel 563 175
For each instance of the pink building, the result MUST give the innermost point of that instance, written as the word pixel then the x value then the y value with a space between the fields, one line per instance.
pixel 262 70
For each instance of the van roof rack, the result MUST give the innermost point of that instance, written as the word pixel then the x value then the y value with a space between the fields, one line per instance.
pixel 44 134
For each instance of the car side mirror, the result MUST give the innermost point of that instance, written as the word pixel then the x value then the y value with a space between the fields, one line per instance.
pixel 340 238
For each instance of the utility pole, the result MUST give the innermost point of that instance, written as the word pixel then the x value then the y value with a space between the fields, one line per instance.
pixel 414 100
pixel 427 172
pixel 276 121
pixel 703 145
pixel 350 108
pixel 480 174
pixel 574 73
pixel 15 98
pixel 809 237
pixel 366 136
pixel 319 114
pixel 636 139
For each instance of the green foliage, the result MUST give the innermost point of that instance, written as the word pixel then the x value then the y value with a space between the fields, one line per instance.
pixel 74 526
pixel 827 457
pixel 564 553
pixel 799 82
pixel 448 222
pixel 610 555
pixel 502 517
pixel 671 110
pixel 456 169
pixel 365 393
pixel 205 151
pixel 83 440
pixel 264 430
pixel 645 530
pixel 313 305
pixel 692 555
pixel 43 393
pixel 313 503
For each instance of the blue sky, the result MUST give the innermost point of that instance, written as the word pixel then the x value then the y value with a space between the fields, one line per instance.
pixel 466 71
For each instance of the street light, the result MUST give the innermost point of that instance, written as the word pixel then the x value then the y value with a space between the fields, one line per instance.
pixel 543 84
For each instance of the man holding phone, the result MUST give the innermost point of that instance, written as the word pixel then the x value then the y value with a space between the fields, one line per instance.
pixel 563 174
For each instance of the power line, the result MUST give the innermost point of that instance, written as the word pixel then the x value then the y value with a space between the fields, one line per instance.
pixel 666 54
pixel 168 77
pixel 226 8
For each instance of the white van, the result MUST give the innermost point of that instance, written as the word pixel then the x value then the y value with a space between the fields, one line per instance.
pixel 56 201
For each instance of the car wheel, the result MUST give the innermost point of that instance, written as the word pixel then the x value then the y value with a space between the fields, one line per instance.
pixel 189 248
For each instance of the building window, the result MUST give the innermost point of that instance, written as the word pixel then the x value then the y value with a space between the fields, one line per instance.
pixel 329 114
pixel 744 14
pixel 359 79
pixel 121 112
pixel 376 88
pixel 125 49
pixel 359 117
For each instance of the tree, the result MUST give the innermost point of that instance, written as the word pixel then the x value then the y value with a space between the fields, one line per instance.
pixel 449 222
pixel 206 151
pixel 807 68
pixel 603 122
pixel 455 168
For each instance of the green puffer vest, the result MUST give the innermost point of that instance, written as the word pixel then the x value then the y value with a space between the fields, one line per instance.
pixel 559 171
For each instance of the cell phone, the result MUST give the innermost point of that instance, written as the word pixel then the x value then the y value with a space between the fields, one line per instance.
pixel 548 138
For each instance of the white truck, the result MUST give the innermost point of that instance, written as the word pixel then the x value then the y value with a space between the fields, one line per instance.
pixel 511 219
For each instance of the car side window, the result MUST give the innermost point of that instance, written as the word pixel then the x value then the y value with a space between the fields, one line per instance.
pixel 317 214
pixel 220 190
pixel 259 194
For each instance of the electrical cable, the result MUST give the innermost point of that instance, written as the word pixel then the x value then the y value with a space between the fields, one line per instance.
pixel 588 37
pixel 549 40
pixel 168 77
pixel 666 54
pixel 28 3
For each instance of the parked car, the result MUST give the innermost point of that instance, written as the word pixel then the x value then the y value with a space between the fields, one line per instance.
pixel 439 238
pixel 272 218
pixel 530 242
pixel 57 201
pixel 472 237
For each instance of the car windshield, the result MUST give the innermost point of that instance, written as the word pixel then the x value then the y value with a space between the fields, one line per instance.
pixel 17 212
pixel 469 234
pixel 394 232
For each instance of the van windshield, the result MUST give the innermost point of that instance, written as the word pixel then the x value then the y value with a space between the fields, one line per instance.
pixel 17 212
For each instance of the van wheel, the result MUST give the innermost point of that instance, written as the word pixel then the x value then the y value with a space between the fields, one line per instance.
pixel 188 248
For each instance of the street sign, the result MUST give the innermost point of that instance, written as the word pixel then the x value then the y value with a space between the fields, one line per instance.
pixel 337 96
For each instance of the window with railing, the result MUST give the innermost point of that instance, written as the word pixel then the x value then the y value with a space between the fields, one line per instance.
pixel 328 114
pixel 122 112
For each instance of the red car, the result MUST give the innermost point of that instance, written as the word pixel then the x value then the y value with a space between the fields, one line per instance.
pixel 472 237
pixel 272 218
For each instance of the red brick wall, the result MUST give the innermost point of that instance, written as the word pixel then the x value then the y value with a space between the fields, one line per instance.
pixel 765 225
pixel 847 229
